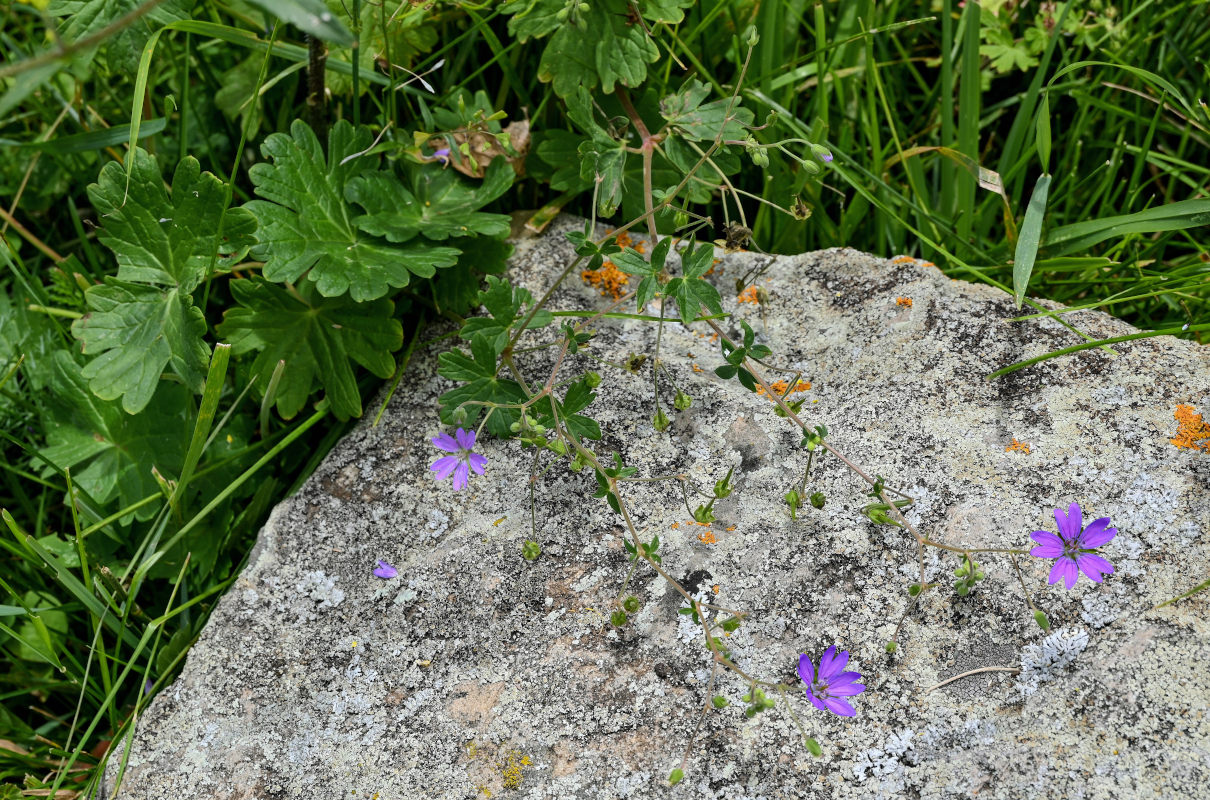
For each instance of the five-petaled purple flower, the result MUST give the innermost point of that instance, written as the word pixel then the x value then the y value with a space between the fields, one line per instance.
pixel 827 689
pixel 463 460
pixel 385 570
pixel 1073 547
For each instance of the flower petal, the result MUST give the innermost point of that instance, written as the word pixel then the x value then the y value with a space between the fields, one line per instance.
pixel 445 442
pixel 477 462
pixel 815 701
pixel 846 689
pixel 1093 566
pixel 1049 545
pixel 1097 533
pixel 1070 527
pixel 385 570
pixel 842 708
pixel 444 466
pixel 462 476
pixel 1064 569
pixel 806 670
pixel 466 439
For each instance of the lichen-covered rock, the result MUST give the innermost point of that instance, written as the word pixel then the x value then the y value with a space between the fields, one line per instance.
pixel 478 671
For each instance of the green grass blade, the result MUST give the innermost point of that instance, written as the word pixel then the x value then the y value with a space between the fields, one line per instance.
pixel 1031 235
pixel 1173 216
pixel 1099 343
pixel 215 379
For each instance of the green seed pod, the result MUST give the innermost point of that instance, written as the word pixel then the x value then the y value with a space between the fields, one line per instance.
pixel 719 701
pixel 914 589
pixel 811 168
pixel 680 219
pixel 531 550
pixel 676 776
pixel 1042 621
pixel 561 15
pixel 891 647
pixel 751 37
pixel 660 421
pixel 962 588
pixel 593 379
pixel 817 499
pixel 515 427
pixel 583 8
pixel 618 618
pixel 813 747
pixel 557 446
pixel 682 401
pixel 631 604
pixel 960 572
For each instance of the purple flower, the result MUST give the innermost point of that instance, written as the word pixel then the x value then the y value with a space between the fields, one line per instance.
pixel 385 570
pixel 442 154
pixel 462 462
pixel 1073 547
pixel 827 689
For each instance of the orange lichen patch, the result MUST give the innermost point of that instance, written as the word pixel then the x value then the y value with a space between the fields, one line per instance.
pixel 715 587
pixel 714 337
pixel 1191 430
pixel 903 260
pixel 781 386
pixel 1022 446
pixel 748 295
pixel 906 302
pixel 707 536
pixel 609 279
pixel 696 368
pixel 626 240
pixel 730 529
pixel 676 525
pixel 927 264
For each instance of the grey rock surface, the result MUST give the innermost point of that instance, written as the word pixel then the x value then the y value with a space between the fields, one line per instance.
pixel 476 669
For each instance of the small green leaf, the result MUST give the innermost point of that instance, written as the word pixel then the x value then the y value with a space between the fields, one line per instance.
pixel 676 776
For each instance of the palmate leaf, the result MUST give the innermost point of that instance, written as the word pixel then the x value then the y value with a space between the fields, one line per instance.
pixel 85 17
pixel 110 453
pixel 698 122
pixel 441 204
pixel 144 320
pixel 316 336
pixel 602 46
pixel 507 305
pixel 307 224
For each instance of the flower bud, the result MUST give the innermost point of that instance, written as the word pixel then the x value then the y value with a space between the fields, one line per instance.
pixel 811 168
pixel 682 401
pixel 631 604
pixel 760 156
pixel 822 153
pixel 1042 621
pixel 618 618
pixel 676 776
pixel 592 379
pixel 962 588
pixel 531 550
pixel 680 219
pixel 914 589
pixel 719 701
pixel 817 499
pixel 813 747
pixel 793 500
pixel 751 37
pixel 561 15
pixel 583 8
pixel 515 427
pixel 891 647
pixel 459 416
pixel 660 421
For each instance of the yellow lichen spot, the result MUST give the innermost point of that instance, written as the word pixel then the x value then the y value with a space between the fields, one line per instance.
pixel 609 279
pixel 906 302
pixel 496 524
pixel 510 768
pixel 229 439
pixel 707 536
pixel 354 642
pixel 1191 430
pixel 715 588
pixel 1022 446
pixel 749 295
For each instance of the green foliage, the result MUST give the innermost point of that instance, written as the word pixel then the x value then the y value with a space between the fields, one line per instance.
pixel 308 223
pixel 319 339
pixel 145 319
